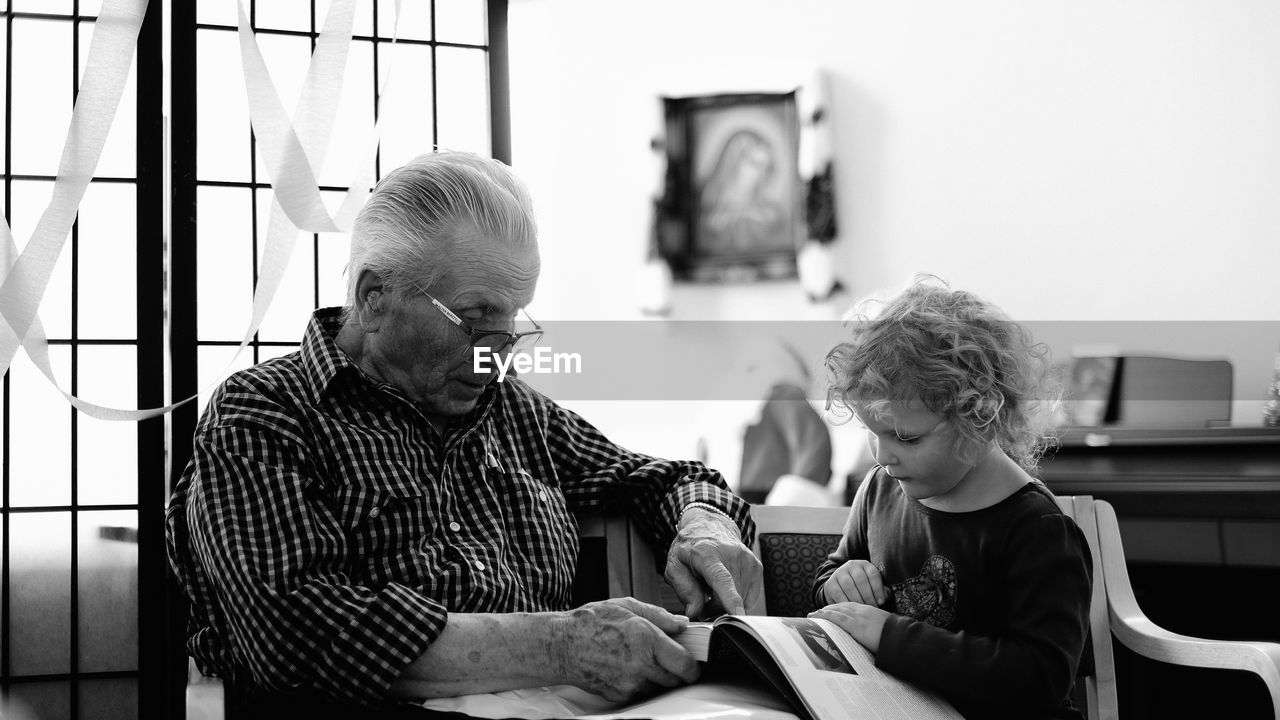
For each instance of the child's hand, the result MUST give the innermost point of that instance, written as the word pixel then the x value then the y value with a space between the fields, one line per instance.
pixel 863 622
pixel 855 581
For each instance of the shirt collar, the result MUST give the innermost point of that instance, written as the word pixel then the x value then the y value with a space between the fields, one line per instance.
pixel 324 363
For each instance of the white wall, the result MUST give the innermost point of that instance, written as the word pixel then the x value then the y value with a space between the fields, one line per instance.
pixel 1085 160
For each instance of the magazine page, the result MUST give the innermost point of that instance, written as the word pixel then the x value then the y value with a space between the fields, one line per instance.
pixel 837 677
pixel 696 638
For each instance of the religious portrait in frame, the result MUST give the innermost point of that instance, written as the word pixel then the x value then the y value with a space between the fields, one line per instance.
pixel 733 187
pixel 745 190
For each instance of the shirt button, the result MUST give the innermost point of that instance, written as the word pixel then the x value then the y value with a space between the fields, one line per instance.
pixel 375 512
pixel 479 565
pixel 455 526
pixel 542 495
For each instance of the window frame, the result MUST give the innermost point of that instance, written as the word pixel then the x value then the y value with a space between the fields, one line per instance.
pixel 165 340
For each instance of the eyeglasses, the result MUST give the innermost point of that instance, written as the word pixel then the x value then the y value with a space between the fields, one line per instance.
pixel 497 341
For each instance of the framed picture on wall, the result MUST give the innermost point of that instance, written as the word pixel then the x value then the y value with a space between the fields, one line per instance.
pixel 731 208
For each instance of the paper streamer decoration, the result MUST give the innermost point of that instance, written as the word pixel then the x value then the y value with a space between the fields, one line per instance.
pixel 295 154
pixel 295 151
pixel 115 35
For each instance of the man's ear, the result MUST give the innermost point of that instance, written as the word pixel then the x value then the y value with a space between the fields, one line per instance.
pixel 370 302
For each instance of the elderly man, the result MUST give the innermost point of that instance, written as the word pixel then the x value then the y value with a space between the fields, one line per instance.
pixel 372 518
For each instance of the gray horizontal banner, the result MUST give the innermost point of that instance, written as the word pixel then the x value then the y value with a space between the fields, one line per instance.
pixel 728 360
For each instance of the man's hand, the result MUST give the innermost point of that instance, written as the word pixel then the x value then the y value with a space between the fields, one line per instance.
pixel 709 563
pixel 621 649
pixel 863 622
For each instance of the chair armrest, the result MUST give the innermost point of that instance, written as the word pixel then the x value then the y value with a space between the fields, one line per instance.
pixel 206 699
pixel 1140 634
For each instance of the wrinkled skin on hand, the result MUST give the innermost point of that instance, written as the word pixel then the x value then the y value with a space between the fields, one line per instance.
pixel 621 649
pixel 711 570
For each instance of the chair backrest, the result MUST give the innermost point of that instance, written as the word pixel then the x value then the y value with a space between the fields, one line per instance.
pixel 1099 685
pixel 629 567
pixel 792 542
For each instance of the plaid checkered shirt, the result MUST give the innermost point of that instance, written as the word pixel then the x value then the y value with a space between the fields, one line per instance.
pixel 323 530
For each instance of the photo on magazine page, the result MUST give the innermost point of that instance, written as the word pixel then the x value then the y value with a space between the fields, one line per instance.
pixel 819 647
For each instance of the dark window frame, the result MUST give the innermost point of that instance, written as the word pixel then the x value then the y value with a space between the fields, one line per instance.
pixel 163 446
pixel 148 180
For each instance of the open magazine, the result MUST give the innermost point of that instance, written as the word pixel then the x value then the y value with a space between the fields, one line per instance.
pixel 822 671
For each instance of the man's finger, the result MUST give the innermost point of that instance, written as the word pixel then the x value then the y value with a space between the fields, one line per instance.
pixel 754 599
pixel 750 583
pixel 663 620
pixel 686 586
pixel 667 679
pixel 674 659
pixel 720 580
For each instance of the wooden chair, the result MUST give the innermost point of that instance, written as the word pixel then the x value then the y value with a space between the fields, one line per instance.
pixel 790 539
pixel 1115 612
pixel 206 696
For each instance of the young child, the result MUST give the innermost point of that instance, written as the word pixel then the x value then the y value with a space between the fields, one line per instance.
pixel 956 568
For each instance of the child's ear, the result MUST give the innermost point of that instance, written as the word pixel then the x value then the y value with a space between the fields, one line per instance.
pixel 987 408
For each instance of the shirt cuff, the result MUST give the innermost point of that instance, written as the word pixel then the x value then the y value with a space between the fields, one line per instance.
pixel 717 499
pixel 890 657
pixel 709 508
pixel 396 627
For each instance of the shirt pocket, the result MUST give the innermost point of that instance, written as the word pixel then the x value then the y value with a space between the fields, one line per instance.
pixel 384 528
pixel 544 535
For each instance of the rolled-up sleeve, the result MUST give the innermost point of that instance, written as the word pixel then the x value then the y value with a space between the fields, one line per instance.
pixel 274 556
pixel 601 476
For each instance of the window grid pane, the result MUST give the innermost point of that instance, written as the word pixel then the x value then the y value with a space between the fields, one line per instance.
pixel 103 309
pixel 461 21
pixel 108 597
pixel 41 93
pixel 40 593
pixel 109 699
pixel 90 314
pixel 230 246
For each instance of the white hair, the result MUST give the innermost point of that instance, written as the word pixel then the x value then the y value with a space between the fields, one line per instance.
pixel 408 227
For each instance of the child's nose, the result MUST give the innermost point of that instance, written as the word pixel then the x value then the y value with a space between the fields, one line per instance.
pixel 878 451
pixel 884 456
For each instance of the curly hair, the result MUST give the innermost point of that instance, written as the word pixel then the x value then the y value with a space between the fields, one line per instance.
pixel 961 357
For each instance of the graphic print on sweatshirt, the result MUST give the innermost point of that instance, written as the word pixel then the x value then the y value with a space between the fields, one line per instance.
pixel 929 596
